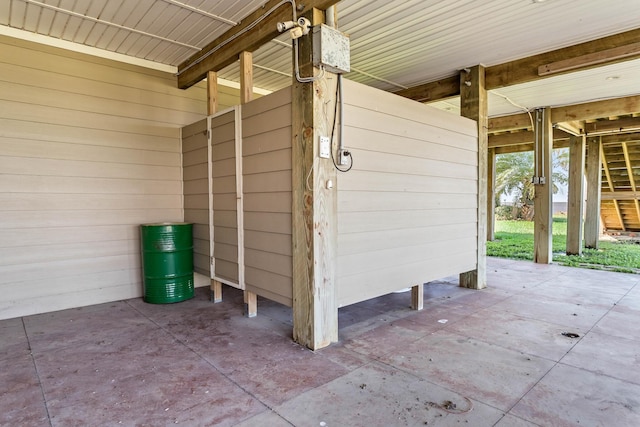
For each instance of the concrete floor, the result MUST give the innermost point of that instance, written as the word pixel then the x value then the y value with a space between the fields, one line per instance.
pixel 495 357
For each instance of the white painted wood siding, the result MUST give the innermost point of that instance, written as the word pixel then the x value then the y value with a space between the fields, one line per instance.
pixel 195 167
pixel 224 196
pixel 407 209
pixel 266 167
pixel 89 149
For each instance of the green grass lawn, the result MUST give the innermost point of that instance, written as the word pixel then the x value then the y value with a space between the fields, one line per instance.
pixel 514 239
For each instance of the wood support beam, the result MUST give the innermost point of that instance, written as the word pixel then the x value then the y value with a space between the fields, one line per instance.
pixel 577 148
pixel 508 123
pixel 473 105
pixel 524 137
pixel 603 127
pixel 216 291
pixel 246 94
pixel 526 69
pixel 576 112
pixel 597 109
pixel 574 127
pixel 620 195
pixel 246 36
pixel 212 93
pixel 594 182
pixel 491 194
pixel 543 208
pixel 417 297
pixel 438 90
pixel 314 205
pixel 246 78
pixel 616 139
pixel 521 148
pixel 212 108
pixel 581 62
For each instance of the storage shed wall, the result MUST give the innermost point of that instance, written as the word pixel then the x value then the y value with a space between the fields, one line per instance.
pixel 266 169
pixel 89 149
pixel 224 197
pixel 195 167
pixel 407 211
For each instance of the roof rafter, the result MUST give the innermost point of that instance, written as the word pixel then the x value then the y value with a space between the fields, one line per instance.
pixel 237 39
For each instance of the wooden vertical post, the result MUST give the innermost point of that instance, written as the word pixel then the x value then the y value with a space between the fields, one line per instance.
pixel 212 93
pixel 246 94
pixel 491 194
pixel 594 184
pixel 246 77
pixel 473 104
pixel 314 204
pixel 542 203
pixel 575 206
pixel 417 297
pixel 212 108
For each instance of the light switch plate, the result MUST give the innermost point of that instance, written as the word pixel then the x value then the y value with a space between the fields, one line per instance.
pixel 325 147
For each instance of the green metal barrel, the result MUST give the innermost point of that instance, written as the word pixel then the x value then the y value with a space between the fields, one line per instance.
pixel 167 262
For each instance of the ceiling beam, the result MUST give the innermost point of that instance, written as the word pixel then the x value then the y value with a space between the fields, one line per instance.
pixel 508 149
pixel 606 56
pixel 573 113
pixel 509 123
pixel 441 89
pixel 574 127
pixel 627 124
pixel 523 137
pixel 597 109
pixel 246 36
pixel 618 138
pixel 526 69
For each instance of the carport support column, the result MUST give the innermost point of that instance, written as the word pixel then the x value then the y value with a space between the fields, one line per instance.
pixel 542 206
pixel 473 104
pixel 212 108
pixel 575 206
pixel 594 184
pixel 246 94
pixel 314 204
pixel 491 194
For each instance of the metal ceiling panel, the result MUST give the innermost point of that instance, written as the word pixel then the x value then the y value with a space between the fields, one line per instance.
pixel 395 44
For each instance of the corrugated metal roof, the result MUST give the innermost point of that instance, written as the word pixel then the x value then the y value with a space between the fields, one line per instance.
pixel 395 44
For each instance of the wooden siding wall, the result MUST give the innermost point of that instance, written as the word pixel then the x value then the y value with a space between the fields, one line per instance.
pixel 225 212
pixel 89 149
pixel 266 132
pixel 195 170
pixel 407 210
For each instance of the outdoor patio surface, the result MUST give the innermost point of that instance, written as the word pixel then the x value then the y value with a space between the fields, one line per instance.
pixel 495 357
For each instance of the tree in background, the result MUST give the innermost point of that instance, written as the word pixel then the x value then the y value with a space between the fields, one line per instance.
pixel 513 178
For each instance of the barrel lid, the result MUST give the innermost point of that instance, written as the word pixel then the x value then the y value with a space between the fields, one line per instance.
pixel 160 224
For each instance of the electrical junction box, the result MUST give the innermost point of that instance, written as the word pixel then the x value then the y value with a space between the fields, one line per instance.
pixel 331 49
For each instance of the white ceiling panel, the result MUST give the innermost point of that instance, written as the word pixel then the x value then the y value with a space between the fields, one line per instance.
pixel 395 44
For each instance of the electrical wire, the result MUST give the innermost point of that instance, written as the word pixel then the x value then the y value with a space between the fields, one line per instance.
pixel 333 128
pixel 310 79
pixel 533 128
